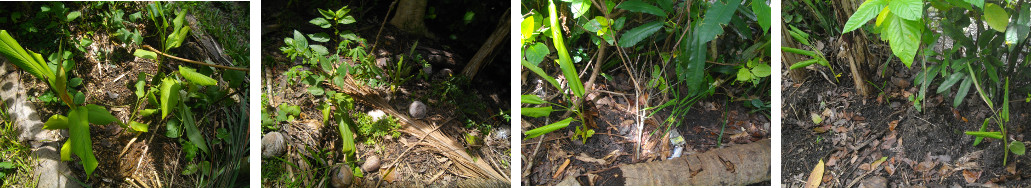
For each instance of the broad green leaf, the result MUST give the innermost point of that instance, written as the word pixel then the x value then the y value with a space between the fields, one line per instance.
pixel 762 14
pixel 541 73
pixel 580 7
pixel 169 96
pixel 526 29
pixel 531 99
pixel 984 127
pixel 98 115
pixel 903 36
pixel 346 20
pixel 66 150
pixel 744 74
pixel 319 37
pixel 320 50
pixel 995 135
pixel 300 43
pixel 72 16
pixel 57 121
pixel 565 62
pixel 82 146
pixel 140 127
pixel 173 128
pixel 344 124
pixel 950 81
pixel 25 59
pixel 321 22
pixel 715 17
pixel 798 51
pixel 817 119
pixel 194 77
pixel 964 89
pixel 1017 147
pixel 192 132
pixel 907 9
pixel 147 112
pixel 635 35
pixel 74 82
pixel 145 54
pixel 1018 31
pixel 867 11
pixel 536 111
pixel 536 53
pixel 642 7
pixel 803 64
pixel 547 128
pixel 761 70
pixel 996 16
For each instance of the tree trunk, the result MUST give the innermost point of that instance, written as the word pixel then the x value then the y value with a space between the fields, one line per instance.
pixel 499 36
pixel 853 48
pixel 796 75
pixel 735 165
pixel 408 17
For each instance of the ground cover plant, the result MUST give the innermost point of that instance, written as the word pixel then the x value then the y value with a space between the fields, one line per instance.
pixel 610 85
pixel 955 89
pixel 350 100
pixel 92 84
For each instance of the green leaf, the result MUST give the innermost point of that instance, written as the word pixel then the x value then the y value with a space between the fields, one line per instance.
pixel 57 121
pixel 145 54
pixel 867 11
pixel 194 134
pixel 744 74
pixel 321 22
pixel 949 82
pixel 761 70
pixel 197 78
pixel 1017 147
pixel 82 146
pixel 715 17
pixel 1005 113
pixel 536 53
pixel 173 129
pixel 903 36
pixel 762 14
pixel 964 89
pixel 79 98
pixel 541 73
pixel 547 128
pixel 319 37
pixel 300 43
pixel 642 7
pixel 580 7
pixel 137 126
pixel 995 135
pixel 25 59
pixel 98 115
pixel 526 29
pixel 565 62
pixel 996 16
pixel 536 111
pixel 74 82
pixel 346 20
pixel 907 9
pixel 147 112
pixel 532 99
pixel 978 3
pixel 635 35
pixel 72 16
pixel 803 64
pixel 66 150
pixel 169 96
pixel 344 124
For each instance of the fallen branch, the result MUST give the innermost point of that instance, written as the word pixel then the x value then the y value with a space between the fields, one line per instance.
pixel 192 61
pixel 734 165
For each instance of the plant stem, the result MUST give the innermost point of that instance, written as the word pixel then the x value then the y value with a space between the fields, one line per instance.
pixel 192 61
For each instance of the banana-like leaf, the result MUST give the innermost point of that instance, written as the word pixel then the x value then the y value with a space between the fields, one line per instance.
pixel 548 128
pixel 541 73
pixel 197 78
pixel 81 145
pixel 137 126
pixel 100 116
pixel 537 111
pixel 192 132
pixel 531 99
pixel 169 96
pixel 57 121
pixel 25 59
pixel 347 137
pixel 66 150
pixel 145 54
pixel 565 62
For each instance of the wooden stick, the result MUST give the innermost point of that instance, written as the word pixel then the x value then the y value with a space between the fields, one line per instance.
pixel 192 61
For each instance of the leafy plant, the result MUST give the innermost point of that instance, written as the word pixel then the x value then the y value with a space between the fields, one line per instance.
pixel 817 57
pixel 583 135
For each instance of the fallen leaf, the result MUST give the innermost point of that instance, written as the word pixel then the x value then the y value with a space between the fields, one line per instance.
pixel 878 162
pixel 858 118
pixel 971 176
pixel 925 166
pixel 560 169
pixel 892 124
pixel 865 167
pixel 1012 168
pixel 890 169
pixel 822 129
pixel 816 176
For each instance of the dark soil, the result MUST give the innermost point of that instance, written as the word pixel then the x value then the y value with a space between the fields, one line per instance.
pixel 922 149
pixel 612 118
pixel 480 99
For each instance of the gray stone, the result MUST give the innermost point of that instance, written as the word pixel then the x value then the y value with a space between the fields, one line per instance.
pixel 417 110
pixel 371 164
pixel 272 145
pixel 342 176
pixel 874 182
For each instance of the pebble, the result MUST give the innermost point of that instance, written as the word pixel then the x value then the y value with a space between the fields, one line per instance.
pixel 342 176
pixel 371 164
pixel 272 145
pixel 417 110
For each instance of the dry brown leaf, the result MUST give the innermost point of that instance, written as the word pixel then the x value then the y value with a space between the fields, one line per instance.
pixel 1012 168
pixel 878 162
pixel 822 129
pixel 971 176
pixel 560 169
pixel 890 169
pixel 864 167
pixel 816 176
pixel 892 124
pixel 858 118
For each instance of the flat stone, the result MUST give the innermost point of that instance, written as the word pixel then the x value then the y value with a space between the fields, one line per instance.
pixel 272 145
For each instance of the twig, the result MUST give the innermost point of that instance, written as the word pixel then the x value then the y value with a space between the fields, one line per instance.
pixel 192 61
pixel 399 157
pixel 384 23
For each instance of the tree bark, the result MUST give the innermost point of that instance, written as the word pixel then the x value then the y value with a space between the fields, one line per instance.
pixel 796 75
pixel 498 37
pixel 409 16
pixel 734 165
pixel 854 48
